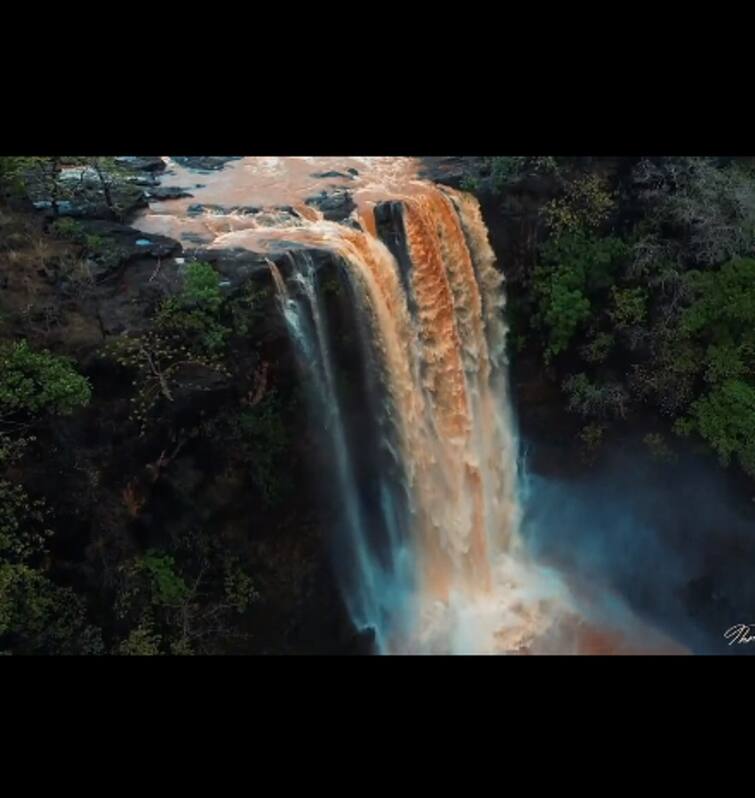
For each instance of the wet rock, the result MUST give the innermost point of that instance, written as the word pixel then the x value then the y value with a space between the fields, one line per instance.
pixel 347 176
pixel 146 180
pixel 282 216
pixel 196 238
pixel 220 210
pixel 335 205
pixel 205 163
pixel 142 163
pixel 167 193
pixel 389 221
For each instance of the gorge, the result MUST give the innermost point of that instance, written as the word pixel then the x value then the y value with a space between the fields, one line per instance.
pixel 384 405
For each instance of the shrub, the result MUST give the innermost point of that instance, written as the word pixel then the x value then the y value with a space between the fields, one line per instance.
pixel 725 418
pixel 628 307
pixel 201 288
pixel 586 204
pixel 574 267
pixel 598 348
pixel 36 382
pixel 597 400
pixel 167 586
pixel 67 228
pixel 38 617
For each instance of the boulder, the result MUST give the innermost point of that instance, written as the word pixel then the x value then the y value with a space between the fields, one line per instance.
pixel 204 163
pixel 142 163
pixel 335 205
pixel 347 176
pixel 167 193
pixel 220 210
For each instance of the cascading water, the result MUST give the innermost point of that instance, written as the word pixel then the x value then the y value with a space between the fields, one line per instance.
pixel 436 333
pixel 431 555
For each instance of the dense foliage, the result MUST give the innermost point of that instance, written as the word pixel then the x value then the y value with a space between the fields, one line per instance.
pixel 117 461
pixel 36 615
pixel 640 293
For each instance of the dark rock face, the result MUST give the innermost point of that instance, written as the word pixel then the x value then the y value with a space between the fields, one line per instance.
pixel 389 222
pixel 204 163
pixel 125 295
pixel 335 205
pixel 448 170
pixel 237 266
pixel 130 243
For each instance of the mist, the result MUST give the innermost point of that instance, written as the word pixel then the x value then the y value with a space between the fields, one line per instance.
pixel 670 541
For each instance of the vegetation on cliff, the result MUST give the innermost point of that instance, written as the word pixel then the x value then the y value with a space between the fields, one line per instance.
pixel 636 290
pixel 152 498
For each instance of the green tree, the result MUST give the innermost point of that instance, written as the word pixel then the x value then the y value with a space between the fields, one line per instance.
pixel 183 601
pixel 187 331
pixel 594 399
pixel 721 322
pixel 35 382
pixel 586 204
pixel 629 306
pixel 725 418
pixel 167 586
pixel 201 288
pixel 142 641
pixel 575 268
pixel 38 617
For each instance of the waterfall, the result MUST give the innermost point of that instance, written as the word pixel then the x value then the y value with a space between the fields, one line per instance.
pixel 424 561
pixel 417 427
